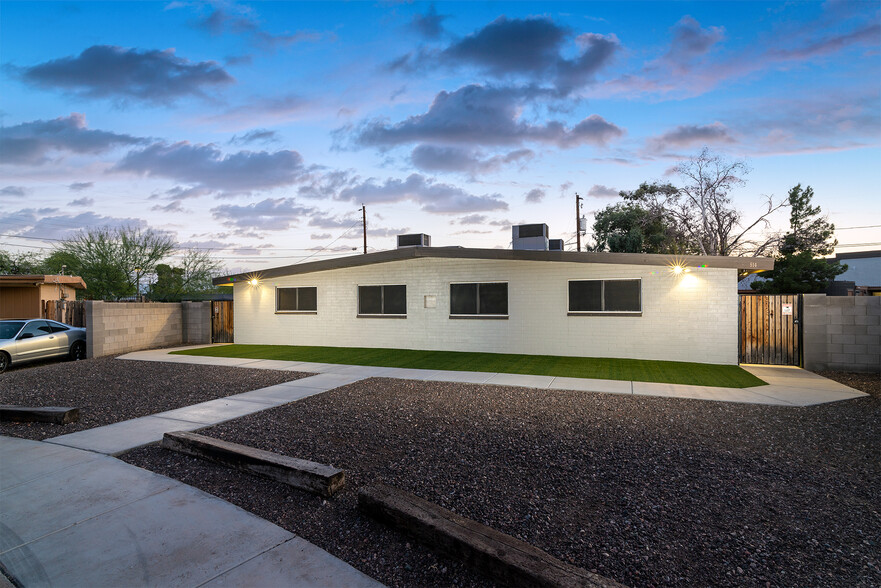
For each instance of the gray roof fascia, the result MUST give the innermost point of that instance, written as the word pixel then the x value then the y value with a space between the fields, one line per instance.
pixel 752 264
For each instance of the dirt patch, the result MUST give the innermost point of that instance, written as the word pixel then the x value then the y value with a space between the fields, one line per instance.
pixel 109 390
pixel 646 491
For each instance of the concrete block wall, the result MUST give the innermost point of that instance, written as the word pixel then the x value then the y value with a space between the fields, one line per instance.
pixel 692 317
pixel 196 322
pixel 120 327
pixel 842 333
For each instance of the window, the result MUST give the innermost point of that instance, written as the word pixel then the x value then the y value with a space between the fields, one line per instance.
pixel 296 299
pixel 605 296
pixel 36 328
pixel 57 327
pixel 488 298
pixel 382 300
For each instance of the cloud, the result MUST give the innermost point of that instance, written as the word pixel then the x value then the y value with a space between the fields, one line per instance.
pixel 30 143
pixel 272 214
pixel 870 35
pixel 690 40
pixel 82 202
pixel 262 110
pixel 535 195
pixel 80 186
pixel 435 158
pixel 151 76
pixel 326 185
pixel 600 191
pixel 691 135
pixel 531 49
pixel 207 168
pixel 472 219
pixel 320 236
pixel 238 20
pixel 174 206
pixel 45 224
pixel 431 195
pixel 430 25
pixel 482 115
pixel 255 136
pixel 13 191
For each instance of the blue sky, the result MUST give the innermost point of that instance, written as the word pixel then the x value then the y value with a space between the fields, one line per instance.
pixel 257 130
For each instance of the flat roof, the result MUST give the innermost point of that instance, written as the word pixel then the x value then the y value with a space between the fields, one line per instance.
pixel 751 264
pixel 38 279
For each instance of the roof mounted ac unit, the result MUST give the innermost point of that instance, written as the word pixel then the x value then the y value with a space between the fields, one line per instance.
pixel 416 240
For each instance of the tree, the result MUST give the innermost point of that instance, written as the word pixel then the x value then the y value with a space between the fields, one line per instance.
pixel 20 263
pixel 697 218
pixel 800 268
pixel 191 279
pixel 641 224
pixel 113 261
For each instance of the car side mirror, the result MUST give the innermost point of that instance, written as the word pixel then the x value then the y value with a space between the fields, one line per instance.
pixel 26 336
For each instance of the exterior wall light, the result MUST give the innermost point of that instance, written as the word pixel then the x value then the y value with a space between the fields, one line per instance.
pixel 254 282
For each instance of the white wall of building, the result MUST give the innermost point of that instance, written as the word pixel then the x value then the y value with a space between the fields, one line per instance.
pixel 690 317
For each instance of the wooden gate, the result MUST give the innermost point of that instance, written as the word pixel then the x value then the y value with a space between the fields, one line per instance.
pixel 770 329
pixel 72 312
pixel 221 321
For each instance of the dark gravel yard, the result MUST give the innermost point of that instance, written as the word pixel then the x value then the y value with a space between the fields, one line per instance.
pixel 646 491
pixel 108 390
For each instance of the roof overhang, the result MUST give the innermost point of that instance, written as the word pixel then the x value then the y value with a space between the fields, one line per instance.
pixel 40 279
pixel 748 264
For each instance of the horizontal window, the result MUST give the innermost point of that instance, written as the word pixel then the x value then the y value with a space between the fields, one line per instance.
pixel 605 296
pixel 485 298
pixel 380 300
pixel 296 299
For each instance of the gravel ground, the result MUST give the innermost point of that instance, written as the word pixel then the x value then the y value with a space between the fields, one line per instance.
pixel 646 491
pixel 108 390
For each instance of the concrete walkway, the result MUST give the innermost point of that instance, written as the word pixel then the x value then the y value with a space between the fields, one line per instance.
pixel 70 517
pixel 787 386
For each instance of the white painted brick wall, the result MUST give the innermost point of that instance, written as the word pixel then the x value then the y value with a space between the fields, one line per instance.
pixel 685 318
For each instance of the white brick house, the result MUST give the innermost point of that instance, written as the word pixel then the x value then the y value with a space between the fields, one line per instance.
pixel 502 301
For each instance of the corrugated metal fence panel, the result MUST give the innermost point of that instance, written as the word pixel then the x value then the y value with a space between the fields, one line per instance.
pixel 770 329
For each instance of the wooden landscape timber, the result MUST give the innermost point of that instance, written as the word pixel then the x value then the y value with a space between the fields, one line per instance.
pixel 507 560
pixel 60 415
pixel 302 474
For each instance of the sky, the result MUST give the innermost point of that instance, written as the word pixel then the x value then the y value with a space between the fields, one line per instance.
pixel 258 130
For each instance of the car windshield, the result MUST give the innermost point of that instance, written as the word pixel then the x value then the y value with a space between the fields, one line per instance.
pixel 8 329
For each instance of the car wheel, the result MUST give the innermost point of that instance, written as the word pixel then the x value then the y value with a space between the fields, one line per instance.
pixel 4 361
pixel 77 351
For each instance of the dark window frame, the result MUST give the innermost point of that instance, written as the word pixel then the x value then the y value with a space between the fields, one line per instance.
pixel 296 310
pixel 477 314
pixel 382 313
pixel 603 311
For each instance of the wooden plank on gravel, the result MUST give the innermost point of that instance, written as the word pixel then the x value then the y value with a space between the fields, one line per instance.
pixel 61 415
pixel 508 560
pixel 306 475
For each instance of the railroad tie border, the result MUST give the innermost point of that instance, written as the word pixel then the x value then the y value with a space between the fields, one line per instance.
pixel 507 560
pixel 60 415
pixel 302 474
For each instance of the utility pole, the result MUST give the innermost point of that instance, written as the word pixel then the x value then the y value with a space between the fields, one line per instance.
pixel 364 222
pixel 578 200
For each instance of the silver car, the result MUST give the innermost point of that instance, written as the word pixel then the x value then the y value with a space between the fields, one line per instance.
pixel 29 339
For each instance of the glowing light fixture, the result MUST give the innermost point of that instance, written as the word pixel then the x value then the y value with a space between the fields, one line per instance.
pixel 254 282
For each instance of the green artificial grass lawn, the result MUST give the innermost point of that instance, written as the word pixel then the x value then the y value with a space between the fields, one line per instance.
pixel 641 370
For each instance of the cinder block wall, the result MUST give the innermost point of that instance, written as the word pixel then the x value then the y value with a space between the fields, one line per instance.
pixel 842 333
pixel 684 318
pixel 196 322
pixel 120 327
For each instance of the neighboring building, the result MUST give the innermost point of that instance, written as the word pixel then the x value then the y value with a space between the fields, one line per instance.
pixel 23 296
pixel 501 301
pixel 863 273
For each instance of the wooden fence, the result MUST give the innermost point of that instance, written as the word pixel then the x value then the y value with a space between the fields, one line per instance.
pixel 770 329
pixel 72 312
